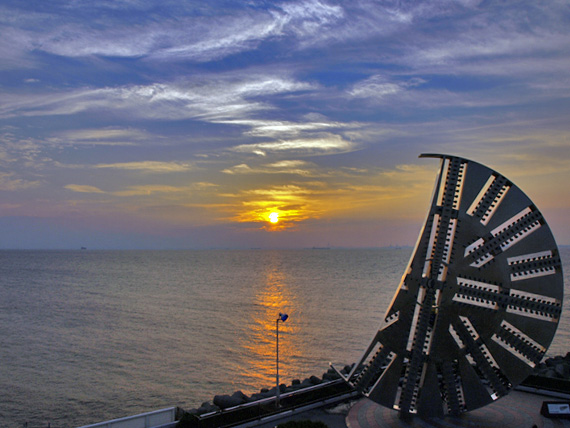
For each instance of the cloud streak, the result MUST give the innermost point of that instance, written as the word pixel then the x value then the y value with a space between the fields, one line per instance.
pixel 294 167
pixel 216 99
pixel 186 37
pixel 83 188
pixel 324 145
pixel 8 182
pixel 147 166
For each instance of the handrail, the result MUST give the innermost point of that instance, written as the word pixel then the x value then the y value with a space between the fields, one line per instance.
pixel 272 399
pixel 290 401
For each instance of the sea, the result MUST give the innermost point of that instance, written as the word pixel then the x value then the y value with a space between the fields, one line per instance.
pixel 91 335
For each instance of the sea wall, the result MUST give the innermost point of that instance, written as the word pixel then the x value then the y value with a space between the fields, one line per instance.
pixel 221 402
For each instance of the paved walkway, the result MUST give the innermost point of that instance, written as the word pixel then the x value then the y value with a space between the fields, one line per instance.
pixel 332 417
pixel 516 410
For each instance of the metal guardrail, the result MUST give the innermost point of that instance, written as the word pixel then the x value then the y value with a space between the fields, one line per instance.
pixel 324 393
pixel 299 409
pixel 153 419
pixel 546 386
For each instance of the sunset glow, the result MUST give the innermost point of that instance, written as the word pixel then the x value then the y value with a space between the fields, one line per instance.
pixel 274 217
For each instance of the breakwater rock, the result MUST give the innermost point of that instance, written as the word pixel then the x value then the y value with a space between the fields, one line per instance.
pixel 222 402
pixel 555 367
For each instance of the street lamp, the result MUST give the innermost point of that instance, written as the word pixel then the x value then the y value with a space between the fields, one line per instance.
pixel 282 318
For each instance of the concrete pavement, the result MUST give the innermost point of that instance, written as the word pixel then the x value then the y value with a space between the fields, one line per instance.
pixel 516 410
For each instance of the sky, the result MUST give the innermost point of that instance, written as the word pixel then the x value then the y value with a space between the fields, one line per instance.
pixel 184 124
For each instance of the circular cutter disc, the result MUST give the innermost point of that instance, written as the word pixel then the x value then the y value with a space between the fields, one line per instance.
pixel 478 305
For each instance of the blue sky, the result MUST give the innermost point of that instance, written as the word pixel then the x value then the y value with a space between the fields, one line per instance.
pixel 172 124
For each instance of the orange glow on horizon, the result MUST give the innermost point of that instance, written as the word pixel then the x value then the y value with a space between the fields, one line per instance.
pixel 275 208
pixel 280 208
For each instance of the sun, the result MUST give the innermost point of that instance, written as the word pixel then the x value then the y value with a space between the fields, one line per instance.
pixel 274 217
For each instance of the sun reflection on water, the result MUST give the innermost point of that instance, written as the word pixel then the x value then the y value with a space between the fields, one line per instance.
pixel 270 298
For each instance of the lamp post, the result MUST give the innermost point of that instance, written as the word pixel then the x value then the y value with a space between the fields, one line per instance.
pixel 282 318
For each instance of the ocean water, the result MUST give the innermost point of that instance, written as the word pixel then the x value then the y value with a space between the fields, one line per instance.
pixel 87 336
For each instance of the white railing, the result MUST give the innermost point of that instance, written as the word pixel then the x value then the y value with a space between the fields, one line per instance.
pixel 154 419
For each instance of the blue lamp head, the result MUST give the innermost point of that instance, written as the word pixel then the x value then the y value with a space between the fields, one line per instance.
pixel 283 317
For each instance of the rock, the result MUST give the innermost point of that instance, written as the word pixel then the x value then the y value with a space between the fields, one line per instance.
pixel 188 420
pixel 329 376
pixel 238 395
pixel 222 401
pixel 562 370
pixel 207 407
pixel 315 380
pixel 332 374
pixel 550 373
pixel 256 397
pixel 296 382
pixel 226 401
pixel 295 387
pixel 556 367
pixel 265 393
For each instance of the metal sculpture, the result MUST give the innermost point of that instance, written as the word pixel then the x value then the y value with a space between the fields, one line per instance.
pixel 477 306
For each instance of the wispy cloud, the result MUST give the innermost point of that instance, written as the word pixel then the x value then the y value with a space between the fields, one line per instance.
pixel 325 145
pixel 99 137
pixel 379 87
pixel 295 167
pixel 139 190
pixel 228 96
pixel 310 20
pixel 312 123
pixel 218 39
pixel 83 188
pixel 14 48
pixel 185 37
pixel 10 183
pixel 221 31
pixel 147 190
pixel 147 166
